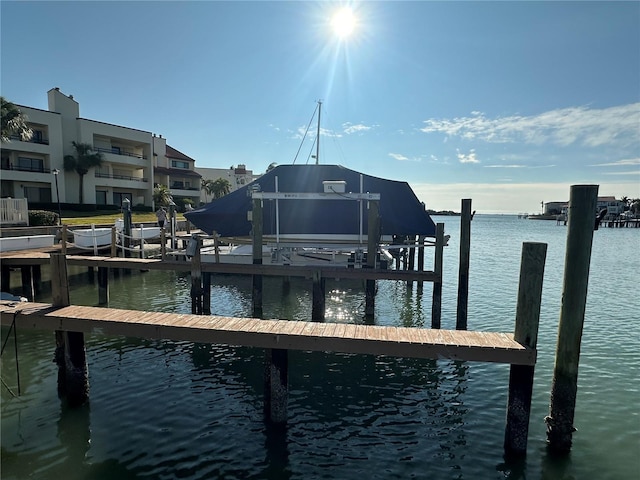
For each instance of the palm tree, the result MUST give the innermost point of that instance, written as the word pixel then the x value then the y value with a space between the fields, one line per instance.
pixel 14 122
pixel 84 159
pixel 207 186
pixel 220 187
pixel 161 195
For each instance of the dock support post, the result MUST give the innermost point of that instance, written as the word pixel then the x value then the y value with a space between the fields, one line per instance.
pixel 256 231
pixel 412 259
pixel 5 282
pixel 276 385
pixel 114 244
pixel 196 275
pixel 27 283
pixel 373 235
pixel 70 356
pixel 526 333
pixel 436 302
pixel 318 297
pixel 463 273
pixel 564 389
pixel 36 272
pixel 65 238
pixel 103 285
pixel 163 244
pixel 421 239
pixel 206 293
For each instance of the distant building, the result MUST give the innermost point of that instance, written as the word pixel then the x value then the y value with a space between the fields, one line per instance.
pixel 134 160
pixel 555 208
pixel 236 176
pixel 614 207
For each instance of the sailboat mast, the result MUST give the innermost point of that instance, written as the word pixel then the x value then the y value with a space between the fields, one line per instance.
pixel 318 134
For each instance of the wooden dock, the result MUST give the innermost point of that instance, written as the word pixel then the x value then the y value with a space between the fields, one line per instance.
pixel 277 334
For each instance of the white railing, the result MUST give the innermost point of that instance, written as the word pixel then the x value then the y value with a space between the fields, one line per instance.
pixel 14 211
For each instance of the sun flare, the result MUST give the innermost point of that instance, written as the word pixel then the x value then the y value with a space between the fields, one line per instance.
pixel 343 22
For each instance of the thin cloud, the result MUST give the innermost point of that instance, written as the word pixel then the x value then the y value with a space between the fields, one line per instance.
pixel 566 126
pixel 504 166
pixel 467 158
pixel 620 163
pixel 350 128
pixel 635 173
pixel 402 158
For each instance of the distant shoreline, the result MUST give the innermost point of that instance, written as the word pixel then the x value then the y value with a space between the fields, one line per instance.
pixel 444 213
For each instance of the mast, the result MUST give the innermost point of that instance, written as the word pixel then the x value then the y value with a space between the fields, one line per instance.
pixel 318 134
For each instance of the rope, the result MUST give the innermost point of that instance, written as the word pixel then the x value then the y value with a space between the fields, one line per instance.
pixel 305 135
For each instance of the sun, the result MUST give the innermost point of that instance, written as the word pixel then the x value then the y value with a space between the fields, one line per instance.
pixel 343 22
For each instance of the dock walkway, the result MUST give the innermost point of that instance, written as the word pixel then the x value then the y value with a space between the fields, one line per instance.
pixel 276 334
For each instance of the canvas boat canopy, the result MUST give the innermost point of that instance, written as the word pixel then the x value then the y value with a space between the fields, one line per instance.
pixel 401 213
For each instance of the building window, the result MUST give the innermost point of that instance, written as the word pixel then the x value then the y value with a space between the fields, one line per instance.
pixel 179 164
pixel 30 164
pixel 118 198
pixel 101 197
pixel 115 150
pixel 38 194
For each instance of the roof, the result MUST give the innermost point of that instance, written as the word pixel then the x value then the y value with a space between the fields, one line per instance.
pixel 178 172
pixel 401 213
pixel 173 153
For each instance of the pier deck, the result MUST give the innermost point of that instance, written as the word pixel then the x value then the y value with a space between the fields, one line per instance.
pixel 15 259
pixel 276 334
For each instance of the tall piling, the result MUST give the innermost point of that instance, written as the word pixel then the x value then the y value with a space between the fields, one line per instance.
pixel 318 297
pixel 526 333
pixel 103 286
pixel 373 238
pixel 70 356
pixel 193 250
pixel 582 211
pixel 463 272
pixel 436 299
pixel 256 231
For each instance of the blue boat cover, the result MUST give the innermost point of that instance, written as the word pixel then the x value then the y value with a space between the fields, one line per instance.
pixel 401 213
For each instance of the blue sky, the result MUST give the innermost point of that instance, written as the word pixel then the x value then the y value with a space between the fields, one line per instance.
pixel 507 103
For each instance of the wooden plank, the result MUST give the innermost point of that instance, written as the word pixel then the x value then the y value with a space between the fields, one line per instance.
pixel 296 335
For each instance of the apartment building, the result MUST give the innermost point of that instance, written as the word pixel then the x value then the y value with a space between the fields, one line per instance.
pixel 134 160
pixel 236 176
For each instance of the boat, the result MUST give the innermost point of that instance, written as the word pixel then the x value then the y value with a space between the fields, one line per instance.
pixel 315 214
pixel 318 212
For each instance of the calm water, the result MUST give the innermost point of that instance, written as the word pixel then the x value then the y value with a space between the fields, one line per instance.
pixel 180 410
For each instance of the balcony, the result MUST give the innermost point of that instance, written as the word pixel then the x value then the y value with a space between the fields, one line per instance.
pixel 25 168
pixel 121 177
pixel 34 139
pixel 120 151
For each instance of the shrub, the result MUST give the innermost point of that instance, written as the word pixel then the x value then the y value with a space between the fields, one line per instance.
pixel 39 218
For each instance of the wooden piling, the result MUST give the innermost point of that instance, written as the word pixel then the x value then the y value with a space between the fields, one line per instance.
pixel 436 301
pixel 196 274
pixel 5 282
pixel 206 293
pixel 114 242
pixel 103 286
pixel 526 333
pixel 256 297
pixel 373 237
pixel 463 272
pixel 318 297
pixel 70 356
pixel 65 239
pixel 421 240
pixel 27 283
pixel 582 208
pixel 276 385
pixel 163 244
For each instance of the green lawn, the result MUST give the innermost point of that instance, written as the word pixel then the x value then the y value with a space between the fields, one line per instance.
pixel 88 218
